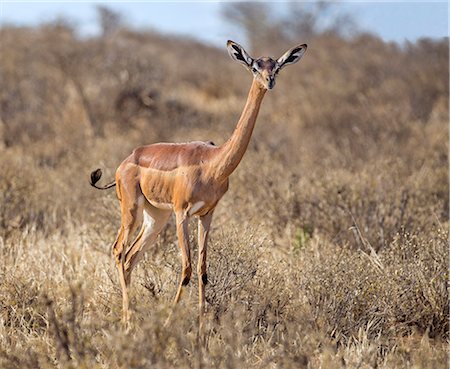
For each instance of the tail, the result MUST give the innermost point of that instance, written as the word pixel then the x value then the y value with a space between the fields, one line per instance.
pixel 95 177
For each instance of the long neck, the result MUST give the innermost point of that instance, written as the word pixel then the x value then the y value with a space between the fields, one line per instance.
pixel 232 151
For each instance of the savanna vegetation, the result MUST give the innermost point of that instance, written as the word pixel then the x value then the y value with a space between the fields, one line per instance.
pixel 330 250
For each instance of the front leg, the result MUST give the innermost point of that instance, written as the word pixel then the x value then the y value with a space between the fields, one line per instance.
pixel 183 240
pixel 204 224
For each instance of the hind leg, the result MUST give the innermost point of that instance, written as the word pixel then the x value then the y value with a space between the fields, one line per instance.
pixel 154 221
pixel 131 204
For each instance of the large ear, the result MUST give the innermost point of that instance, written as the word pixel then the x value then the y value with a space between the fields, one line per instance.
pixel 238 53
pixel 291 56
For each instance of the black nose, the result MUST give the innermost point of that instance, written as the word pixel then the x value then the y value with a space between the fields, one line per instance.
pixel 271 82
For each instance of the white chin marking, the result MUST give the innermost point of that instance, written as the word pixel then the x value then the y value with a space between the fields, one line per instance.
pixel 196 207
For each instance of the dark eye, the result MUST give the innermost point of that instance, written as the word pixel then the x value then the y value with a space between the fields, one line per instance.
pixel 254 70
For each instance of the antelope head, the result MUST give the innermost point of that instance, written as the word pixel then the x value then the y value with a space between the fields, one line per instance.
pixel 265 69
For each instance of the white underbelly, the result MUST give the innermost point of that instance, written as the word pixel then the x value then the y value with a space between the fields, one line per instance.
pixel 162 205
pixel 195 208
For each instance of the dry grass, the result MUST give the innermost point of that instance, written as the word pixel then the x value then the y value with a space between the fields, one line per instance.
pixel 329 251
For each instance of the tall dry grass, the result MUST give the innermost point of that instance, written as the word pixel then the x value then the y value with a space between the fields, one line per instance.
pixel 330 249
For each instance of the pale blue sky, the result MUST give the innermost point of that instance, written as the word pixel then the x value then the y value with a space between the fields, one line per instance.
pixel 393 21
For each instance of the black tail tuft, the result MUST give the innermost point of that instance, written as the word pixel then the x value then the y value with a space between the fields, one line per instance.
pixel 95 176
